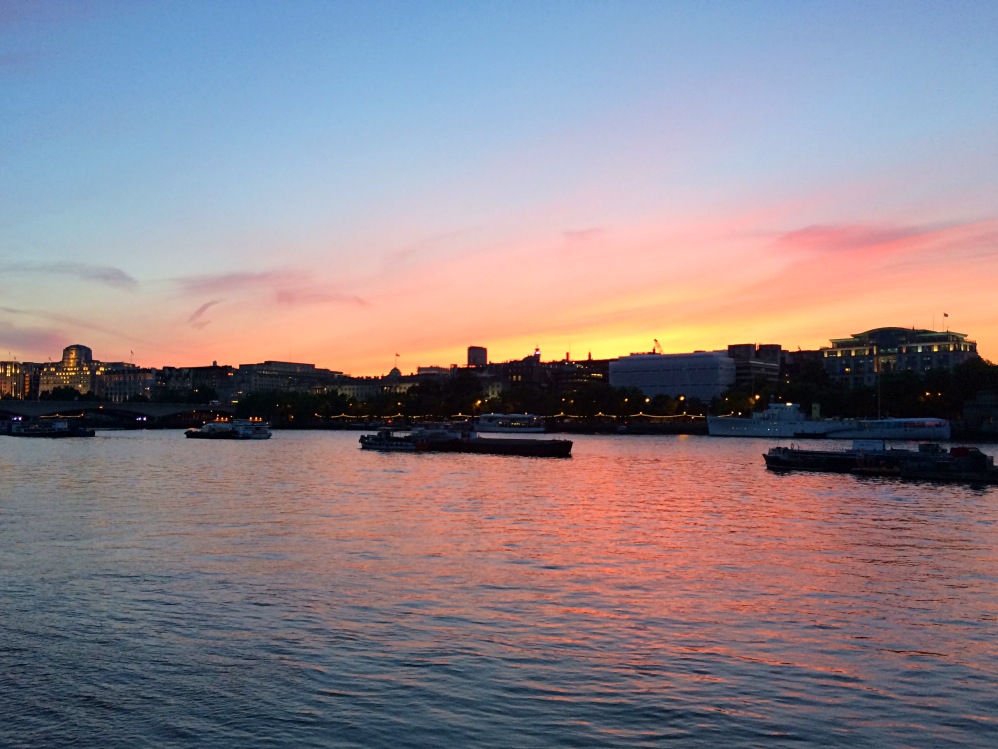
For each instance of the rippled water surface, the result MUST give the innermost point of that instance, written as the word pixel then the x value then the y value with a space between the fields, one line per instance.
pixel 157 591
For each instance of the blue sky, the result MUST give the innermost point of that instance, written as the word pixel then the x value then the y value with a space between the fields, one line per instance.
pixel 338 182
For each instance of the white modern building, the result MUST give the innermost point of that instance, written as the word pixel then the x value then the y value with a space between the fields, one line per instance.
pixel 703 375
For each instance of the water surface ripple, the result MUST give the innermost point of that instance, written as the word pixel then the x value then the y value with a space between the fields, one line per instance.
pixel 648 591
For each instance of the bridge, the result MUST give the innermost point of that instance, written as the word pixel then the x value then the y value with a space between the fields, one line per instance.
pixel 151 413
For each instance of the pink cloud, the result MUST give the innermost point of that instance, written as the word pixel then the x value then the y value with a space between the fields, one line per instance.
pixel 282 287
pixel 850 238
pixel 316 296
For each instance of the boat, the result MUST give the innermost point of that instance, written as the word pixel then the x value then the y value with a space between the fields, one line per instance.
pixel 458 439
pixel 388 440
pixel 524 447
pixel 787 420
pixel 49 427
pixel 463 440
pixel 961 464
pixel 235 429
pixel 513 423
pixel 863 454
pixel 930 462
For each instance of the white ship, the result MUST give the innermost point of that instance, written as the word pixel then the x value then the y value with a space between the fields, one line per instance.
pixel 786 420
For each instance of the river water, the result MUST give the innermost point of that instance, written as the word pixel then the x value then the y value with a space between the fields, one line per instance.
pixel 648 591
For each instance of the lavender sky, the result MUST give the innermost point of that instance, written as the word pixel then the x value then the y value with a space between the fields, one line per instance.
pixel 340 182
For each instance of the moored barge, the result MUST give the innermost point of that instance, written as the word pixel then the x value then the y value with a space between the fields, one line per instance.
pixel 452 440
pixel 930 462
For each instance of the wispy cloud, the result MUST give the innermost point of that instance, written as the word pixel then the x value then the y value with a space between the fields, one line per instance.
pixel 316 296
pixel 103 274
pixel 228 282
pixel 71 323
pixel 195 320
pixel 847 238
pixel 864 267
pixel 280 286
pixel 579 236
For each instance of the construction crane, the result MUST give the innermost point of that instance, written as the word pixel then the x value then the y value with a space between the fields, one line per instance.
pixel 657 347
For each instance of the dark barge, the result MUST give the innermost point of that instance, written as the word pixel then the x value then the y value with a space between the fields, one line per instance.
pixel 451 440
pixel 930 462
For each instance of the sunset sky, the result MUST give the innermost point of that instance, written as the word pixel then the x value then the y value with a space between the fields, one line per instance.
pixel 341 182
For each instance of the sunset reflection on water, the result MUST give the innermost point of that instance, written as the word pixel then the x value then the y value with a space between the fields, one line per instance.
pixel 647 588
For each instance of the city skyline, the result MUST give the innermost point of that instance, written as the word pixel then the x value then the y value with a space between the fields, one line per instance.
pixel 537 354
pixel 340 183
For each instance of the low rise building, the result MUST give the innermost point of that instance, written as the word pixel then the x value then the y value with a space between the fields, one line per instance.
pixel 120 381
pixel 703 374
pixel 285 377
pixel 856 361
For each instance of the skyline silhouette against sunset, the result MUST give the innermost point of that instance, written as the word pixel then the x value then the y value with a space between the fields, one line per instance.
pixel 340 182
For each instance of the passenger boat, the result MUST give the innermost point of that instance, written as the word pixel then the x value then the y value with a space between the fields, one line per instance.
pixel 787 420
pixel 930 462
pixel 513 423
pixel 49 427
pixel 235 429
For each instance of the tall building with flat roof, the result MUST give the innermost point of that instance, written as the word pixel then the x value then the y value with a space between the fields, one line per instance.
pixel 478 356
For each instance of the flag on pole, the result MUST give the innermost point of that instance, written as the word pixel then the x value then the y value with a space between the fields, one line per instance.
pixel 945 314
